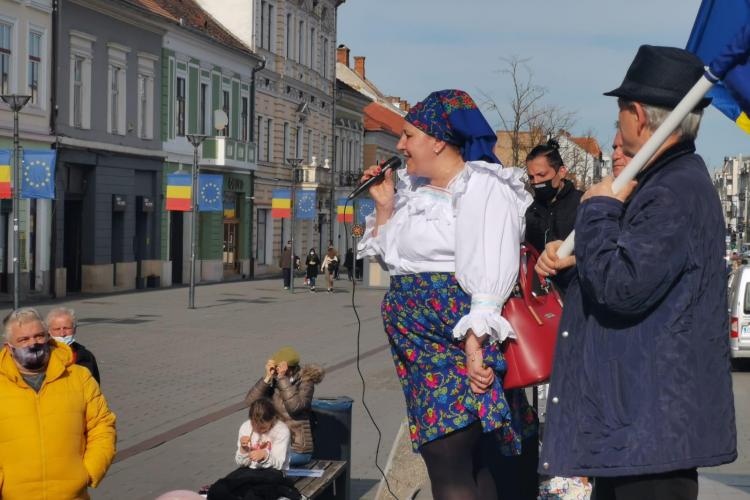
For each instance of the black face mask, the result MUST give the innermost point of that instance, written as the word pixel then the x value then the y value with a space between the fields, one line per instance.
pixel 544 191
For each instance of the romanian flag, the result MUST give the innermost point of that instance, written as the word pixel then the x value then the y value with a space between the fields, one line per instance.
pixel 281 203
pixel 345 211
pixel 720 37
pixel 179 192
pixel 5 192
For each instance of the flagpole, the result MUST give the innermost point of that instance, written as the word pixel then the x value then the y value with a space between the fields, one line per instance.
pixel 295 163
pixel 195 140
pixel 686 105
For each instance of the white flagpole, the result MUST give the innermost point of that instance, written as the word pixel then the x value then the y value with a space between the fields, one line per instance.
pixel 661 134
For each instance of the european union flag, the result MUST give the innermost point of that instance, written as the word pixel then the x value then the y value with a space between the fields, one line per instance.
pixel 305 204
pixel 364 208
pixel 719 23
pixel 210 193
pixel 38 174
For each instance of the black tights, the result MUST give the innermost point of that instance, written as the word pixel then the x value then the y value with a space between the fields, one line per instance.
pixel 454 463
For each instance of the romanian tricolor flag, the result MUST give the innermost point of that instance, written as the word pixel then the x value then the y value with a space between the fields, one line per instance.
pixel 5 192
pixel 281 203
pixel 345 211
pixel 179 192
pixel 720 37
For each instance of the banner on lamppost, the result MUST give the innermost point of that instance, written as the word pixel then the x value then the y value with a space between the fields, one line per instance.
pixel 38 174
pixel 305 202
pixel 281 203
pixel 179 192
pixel 210 190
pixel 5 191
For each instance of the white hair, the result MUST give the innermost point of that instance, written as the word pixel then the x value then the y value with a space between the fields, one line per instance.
pixel 63 311
pixel 19 317
pixel 656 115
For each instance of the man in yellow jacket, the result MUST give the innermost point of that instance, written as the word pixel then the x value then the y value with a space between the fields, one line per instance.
pixel 57 434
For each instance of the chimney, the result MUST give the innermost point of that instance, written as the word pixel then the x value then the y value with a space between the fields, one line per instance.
pixel 404 105
pixel 342 55
pixel 359 66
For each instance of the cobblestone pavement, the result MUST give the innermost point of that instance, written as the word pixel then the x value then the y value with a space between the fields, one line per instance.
pixel 176 379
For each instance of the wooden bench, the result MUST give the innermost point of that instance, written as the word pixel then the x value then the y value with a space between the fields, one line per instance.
pixel 331 485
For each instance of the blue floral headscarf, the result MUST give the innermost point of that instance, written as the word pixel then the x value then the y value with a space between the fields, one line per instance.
pixel 452 116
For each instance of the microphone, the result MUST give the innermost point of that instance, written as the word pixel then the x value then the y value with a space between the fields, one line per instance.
pixel 390 164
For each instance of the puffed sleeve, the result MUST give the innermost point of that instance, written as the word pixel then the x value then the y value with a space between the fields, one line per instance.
pixel 489 228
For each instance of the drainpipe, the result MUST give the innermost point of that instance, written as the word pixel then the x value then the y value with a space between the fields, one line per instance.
pixel 258 67
pixel 331 210
pixel 53 132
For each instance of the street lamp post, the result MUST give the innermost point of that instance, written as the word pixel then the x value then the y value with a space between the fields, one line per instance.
pixel 295 163
pixel 196 140
pixel 16 103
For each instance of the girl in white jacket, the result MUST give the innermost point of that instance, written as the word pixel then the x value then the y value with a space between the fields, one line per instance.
pixel 263 440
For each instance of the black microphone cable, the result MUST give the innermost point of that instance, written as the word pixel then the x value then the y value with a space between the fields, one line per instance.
pixel 359 369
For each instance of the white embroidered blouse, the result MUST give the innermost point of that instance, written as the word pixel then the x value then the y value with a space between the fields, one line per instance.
pixel 473 228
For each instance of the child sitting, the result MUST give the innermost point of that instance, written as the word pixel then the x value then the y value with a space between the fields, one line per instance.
pixel 263 441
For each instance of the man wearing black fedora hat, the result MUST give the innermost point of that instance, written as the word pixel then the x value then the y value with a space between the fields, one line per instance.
pixel 641 392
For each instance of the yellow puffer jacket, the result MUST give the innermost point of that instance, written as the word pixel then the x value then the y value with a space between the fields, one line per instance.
pixel 55 443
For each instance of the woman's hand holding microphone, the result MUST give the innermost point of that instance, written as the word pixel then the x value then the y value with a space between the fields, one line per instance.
pixel 382 193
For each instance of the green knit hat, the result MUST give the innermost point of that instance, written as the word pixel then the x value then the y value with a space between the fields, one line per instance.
pixel 287 354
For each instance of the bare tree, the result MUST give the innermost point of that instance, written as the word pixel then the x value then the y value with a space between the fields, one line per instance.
pixel 528 121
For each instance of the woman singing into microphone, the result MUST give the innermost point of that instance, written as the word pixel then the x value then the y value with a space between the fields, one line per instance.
pixel 449 230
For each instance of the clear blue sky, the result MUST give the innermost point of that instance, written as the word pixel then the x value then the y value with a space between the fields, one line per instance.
pixel 577 51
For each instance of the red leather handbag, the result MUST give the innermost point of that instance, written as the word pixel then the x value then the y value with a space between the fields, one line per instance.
pixel 533 310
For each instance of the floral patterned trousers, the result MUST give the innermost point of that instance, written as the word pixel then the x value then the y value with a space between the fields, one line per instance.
pixel 419 313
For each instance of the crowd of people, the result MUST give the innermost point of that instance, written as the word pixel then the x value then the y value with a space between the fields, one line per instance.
pixel 641 391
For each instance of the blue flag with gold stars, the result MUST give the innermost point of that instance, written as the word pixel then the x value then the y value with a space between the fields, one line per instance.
pixel 38 174
pixel 210 193
pixel 306 204
pixel 365 207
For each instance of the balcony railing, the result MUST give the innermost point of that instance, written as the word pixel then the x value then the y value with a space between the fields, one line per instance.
pixel 222 151
pixel 347 179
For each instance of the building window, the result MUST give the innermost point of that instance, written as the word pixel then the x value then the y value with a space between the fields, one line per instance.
pixel 310 151
pixel 269 27
pixel 285 149
pixel 114 98
pixel 260 241
pixel 146 64
pixel 298 143
pixel 262 24
pixel 288 39
pixel 324 149
pixel 35 59
pixel 203 109
pixel 301 43
pixel 226 108
pixel 244 118
pixel 77 91
pixel 116 103
pixel 81 60
pixel 269 128
pixel 324 57
pixel 258 135
pixel 180 106
pixel 5 57
pixel 311 62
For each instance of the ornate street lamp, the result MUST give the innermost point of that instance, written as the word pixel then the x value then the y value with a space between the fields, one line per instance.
pixel 195 140
pixel 16 103
pixel 295 163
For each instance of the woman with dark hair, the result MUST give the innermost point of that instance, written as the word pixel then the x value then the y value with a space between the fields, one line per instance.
pixel 449 230
pixel 312 262
pixel 553 214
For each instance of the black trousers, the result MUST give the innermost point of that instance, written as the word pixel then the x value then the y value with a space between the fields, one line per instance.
pixel 674 485
pixel 287 276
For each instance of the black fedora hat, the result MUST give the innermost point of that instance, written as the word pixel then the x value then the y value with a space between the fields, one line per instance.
pixel 661 76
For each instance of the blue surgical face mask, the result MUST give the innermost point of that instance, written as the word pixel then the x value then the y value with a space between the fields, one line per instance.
pixel 66 340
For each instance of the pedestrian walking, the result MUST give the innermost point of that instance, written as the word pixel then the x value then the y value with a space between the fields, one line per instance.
pixel 330 266
pixel 285 262
pixel 449 230
pixel 641 387
pixel 312 263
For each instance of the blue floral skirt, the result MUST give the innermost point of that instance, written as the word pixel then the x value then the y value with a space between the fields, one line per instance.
pixel 419 313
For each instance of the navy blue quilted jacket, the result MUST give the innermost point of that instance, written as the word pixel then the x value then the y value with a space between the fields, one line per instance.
pixel 642 381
